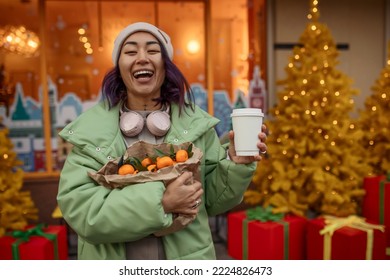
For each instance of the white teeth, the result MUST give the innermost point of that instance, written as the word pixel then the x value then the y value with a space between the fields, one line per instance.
pixel 143 72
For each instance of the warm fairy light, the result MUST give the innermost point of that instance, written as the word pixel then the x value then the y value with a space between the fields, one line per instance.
pixel 326 137
pixel 296 156
pixel 351 101
pixel 303 92
pixel 371 142
pixel 284 152
pixel 19 40
pixel 290 65
pixel 296 56
pixel 326 47
pixel 384 96
pixel 315 103
pixel 322 82
pixel 313 27
pixel 327 168
pixel 193 47
pixel 285 98
pixel 84 39
pixel 373 108
pixel 81 31
pixel 314 68
pixel 313 113
pixel 351 126
pixel 337 93
pixel 5 156
pixel 304 81
pixel 291 93
pixel 278 140
pixel 319 130
pixel 333 143
pixel 326 65
pixel 307 112
pixel 335 122
pixel 324 99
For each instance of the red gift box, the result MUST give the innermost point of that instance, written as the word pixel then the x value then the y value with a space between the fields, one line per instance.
pixel 36 247
pixel 376 203
pixel 256 240
pixel 346 243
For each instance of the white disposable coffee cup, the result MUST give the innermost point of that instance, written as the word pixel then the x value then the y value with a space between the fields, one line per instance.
pixel 247 123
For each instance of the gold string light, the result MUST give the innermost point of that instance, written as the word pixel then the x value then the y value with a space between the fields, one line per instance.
pixel 84 40
pixel 19 40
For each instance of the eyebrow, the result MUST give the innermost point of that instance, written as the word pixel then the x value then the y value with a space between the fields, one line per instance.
pixel 136 43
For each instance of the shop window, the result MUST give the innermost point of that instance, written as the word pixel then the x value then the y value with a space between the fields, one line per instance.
pixel 76 54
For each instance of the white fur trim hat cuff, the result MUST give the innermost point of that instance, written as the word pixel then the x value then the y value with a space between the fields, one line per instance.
pixel 141 26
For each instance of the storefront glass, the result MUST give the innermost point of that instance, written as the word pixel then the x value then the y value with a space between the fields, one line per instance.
pixel 76 54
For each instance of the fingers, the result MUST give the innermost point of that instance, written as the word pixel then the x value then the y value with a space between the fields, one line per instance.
pixel 182 194
pixel 185 178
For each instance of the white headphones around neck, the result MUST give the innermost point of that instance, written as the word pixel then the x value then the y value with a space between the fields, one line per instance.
pixel 158 122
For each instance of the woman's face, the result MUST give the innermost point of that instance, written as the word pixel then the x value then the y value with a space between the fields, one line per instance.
pixel 141 65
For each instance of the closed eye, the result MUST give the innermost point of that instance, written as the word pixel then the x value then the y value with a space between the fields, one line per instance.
pixel 131 52
pixel 153 51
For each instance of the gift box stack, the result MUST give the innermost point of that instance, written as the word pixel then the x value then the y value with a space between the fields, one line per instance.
pixel 35 243
pixel 347 238
pixel 376 204
pixel 257 234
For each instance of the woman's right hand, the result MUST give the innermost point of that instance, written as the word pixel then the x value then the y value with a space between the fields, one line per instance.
pixel 183 195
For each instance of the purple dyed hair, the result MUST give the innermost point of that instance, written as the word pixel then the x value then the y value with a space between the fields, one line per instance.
pixel 173 90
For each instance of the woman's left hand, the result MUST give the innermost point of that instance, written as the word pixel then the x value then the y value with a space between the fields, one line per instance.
pixel 248 159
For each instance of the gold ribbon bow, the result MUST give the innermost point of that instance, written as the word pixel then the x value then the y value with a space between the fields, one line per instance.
pixel 353 221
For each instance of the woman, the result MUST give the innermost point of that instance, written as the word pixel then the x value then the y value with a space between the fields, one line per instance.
pixel 145 100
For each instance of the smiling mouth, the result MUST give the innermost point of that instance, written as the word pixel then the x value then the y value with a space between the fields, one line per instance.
pixel 143 74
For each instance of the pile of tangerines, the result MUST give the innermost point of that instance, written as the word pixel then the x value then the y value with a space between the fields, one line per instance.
pixel 133 165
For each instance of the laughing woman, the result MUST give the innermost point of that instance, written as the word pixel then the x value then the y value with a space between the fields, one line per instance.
pixel 146 97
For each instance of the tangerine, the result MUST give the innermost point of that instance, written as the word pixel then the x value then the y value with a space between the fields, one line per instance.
pixel 164 162
pixel 181 155
pixel 126 169
pixel 146 162
pixel 152 167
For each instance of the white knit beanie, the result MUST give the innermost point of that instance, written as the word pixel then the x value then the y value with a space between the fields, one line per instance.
pixel 141 26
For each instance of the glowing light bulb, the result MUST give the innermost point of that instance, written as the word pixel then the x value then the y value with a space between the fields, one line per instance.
pixel 193 47
pixel 81 31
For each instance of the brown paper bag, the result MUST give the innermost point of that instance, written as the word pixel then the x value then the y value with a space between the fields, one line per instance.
pixel 107 176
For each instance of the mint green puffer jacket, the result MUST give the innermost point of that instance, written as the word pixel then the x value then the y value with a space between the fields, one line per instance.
pixel 105 219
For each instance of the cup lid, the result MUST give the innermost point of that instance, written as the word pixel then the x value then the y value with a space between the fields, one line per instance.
pixel 247 112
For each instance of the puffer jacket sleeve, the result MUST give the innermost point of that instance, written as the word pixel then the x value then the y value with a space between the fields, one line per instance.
pixel 225 181
pixel 101 215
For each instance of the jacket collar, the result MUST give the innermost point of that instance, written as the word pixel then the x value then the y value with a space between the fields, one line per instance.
pixel 98 128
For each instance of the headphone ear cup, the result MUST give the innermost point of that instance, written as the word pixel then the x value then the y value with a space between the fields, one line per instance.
pixel 131 123
pixel 158 123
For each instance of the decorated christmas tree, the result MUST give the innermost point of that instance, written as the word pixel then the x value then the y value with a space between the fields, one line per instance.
pixel 16 206
pixel 375 121
pixel 315 162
